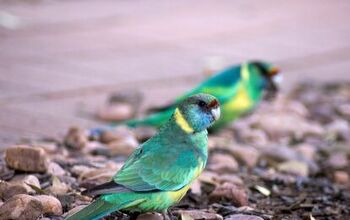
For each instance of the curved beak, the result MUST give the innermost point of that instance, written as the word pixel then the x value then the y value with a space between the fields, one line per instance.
pixel 215 112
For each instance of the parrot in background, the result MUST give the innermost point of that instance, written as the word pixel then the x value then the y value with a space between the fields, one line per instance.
pixel 239 89
pixel 159 173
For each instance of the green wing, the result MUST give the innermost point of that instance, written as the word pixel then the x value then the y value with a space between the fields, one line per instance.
pixel 159 168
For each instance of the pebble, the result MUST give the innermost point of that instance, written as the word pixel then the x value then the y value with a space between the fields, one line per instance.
pixel 116 112
pixel 198 215
pixel 307 150
pixel 24 207
pixel 223 163
pixel 76 138
pixel 143 133
pixel 294 167
pixel 341 177
pixel 230 192
pixel 123 147
pixel 51 205
pixel 26 158
pixel 55 169
pixel 116 134
pixel 58 187
pixel 24 180
pixel 338 160
pixel 249 156
pixel 8 190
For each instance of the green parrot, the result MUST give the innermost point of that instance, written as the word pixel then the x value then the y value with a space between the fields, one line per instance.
pixel 159 172
pixel 238 88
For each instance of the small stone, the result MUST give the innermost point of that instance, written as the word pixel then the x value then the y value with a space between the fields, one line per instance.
pixel 243 217
pixel 76 138
pixel 247 155
pixel 26 158
pixel 338 160
pixel 231 193
pixel 294 167
pixel 341 177
pixel 150 216
pixel 26 181
pixel 55 169
pixel 22 207
pixel 116 112
pixel 100 175
pixel 8 190
pixel 116 134
pixel 58 187
pixel 307 150
pixel 223 163
pixel 143 133
pixel 196 187
pixel 198 215
pixel 123 147
pixel 50 204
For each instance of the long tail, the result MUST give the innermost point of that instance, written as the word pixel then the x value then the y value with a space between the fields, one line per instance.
pixel 155 120
pixel 94 211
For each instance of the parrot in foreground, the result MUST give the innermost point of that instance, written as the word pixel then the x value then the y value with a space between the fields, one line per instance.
pixel 159 173
pixel 238 88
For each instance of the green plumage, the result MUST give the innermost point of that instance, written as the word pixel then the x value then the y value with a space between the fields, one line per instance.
pixel 159 173
pixel 238 88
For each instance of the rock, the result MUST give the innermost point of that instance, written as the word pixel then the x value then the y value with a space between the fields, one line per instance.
pixel 294 167
pixel 73 210
pixel 247 155
pixel 123 147
pixel 55 169
pixel 198 215
pixel 26 181
pixel 231 178
pixel 101 175
pixel 223 163
pixel 116 112
pixel 22 207
pixel 307 150
pixel 341 177
pixel 116 134
pixel 50 204
pixel 243 217
pixel 231 193
pixel 5 172
pixel 255 137
pixel 196 187
pixel 150 216
pixel 338 160
pixel 144 133
pixel 8 190
pixel 76 138
pixel 339 128
pixel 344 109
pixel 26 158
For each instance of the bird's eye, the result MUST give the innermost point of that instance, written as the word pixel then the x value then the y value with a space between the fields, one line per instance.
pixel 202 103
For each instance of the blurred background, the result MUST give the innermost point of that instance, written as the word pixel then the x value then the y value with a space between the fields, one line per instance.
pixel 59 60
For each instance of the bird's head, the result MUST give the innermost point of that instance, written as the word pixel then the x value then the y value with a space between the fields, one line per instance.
pixel 270 75
pixel 197 113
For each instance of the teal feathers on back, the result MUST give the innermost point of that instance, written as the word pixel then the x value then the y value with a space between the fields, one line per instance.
pixel 238 88
pixel 159 173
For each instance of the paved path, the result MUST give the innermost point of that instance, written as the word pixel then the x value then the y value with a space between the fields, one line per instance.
pixel 61 58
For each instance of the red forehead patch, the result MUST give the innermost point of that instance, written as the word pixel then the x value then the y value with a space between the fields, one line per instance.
pixel 213 104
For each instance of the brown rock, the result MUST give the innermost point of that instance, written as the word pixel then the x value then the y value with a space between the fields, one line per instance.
pixel 223 163
pixel 247 155
pixel 116 134
pixel 123 147
pixel 294 167
pixel 116 112
pixel 8 190
pixel 50 204
pixel 243 217
pixel 341 177
pixel 76 138
pixel 198 215
pixel 230 192
pixel 338 160
pixel 144 133
pixel 150 216
pixel 26 181
pixel 26 158
pixel 22 207
pixel 55 169
pixel 307 150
